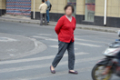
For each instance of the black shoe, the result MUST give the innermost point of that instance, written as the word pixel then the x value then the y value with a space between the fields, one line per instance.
pixel 75 72
pixel 52 71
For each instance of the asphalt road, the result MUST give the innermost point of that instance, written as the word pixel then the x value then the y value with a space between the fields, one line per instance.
pixel 89 46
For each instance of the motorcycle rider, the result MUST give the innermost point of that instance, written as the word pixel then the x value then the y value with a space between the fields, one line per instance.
pixel 107 69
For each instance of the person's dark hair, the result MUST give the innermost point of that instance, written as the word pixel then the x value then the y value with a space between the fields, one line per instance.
pixel 69 6
pixel 43 0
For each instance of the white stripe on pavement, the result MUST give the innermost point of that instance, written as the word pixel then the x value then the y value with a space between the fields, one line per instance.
pixel 86 44
pixel 51 39
pixel 45 34
pixel 37 58
pixel 46 38
pixel 48 75
pixel 56 46
pixel 44 65
pixel 89 40
pixel 83 44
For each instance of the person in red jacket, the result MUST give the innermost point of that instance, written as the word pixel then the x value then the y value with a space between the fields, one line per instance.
pixel 65 31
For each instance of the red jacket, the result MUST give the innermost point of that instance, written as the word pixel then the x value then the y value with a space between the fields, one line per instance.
pixel 65 29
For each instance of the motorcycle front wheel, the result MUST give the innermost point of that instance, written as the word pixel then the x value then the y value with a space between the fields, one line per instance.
pixel 97 73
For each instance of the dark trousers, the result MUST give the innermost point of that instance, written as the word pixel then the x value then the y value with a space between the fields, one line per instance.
pixel 43 18
pixel 71 57
pixel 47 17
pixel 118 56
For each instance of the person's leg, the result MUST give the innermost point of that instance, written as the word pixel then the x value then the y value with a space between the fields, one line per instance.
pixel 48 18
pixel 71 56
pixel 62 48
pixel 41 18
pixel 45 19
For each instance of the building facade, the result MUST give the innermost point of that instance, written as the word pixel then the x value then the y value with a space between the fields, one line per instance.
pixel 94 12
pixel 2 7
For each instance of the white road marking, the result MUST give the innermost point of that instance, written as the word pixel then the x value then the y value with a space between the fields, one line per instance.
pixel 56 46
pixel 51 39
pixel 41 37
pixel 45 34
pixel 37 58
pixel 86 44
pixel 7 39
pixel 46 38
pixel 11 55
pixel 89 40
pixel 48 75
pixel 12 50
pixel 80 43
pixel 21 68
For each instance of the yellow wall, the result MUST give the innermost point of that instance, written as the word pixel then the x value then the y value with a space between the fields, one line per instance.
pixel 80 7
pixel 2 4
pixel 113 8
pixel 99 7
pixel 57 5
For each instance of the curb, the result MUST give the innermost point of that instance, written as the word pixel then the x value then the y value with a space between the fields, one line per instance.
pixel 79 27
pixel 97 29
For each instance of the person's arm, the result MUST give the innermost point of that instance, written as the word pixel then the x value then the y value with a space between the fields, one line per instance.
pixel 48 3
pixel 40 7
pixel 75 24
pixel 59 25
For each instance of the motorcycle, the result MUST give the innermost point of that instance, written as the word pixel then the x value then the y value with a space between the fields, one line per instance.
pixel 111 59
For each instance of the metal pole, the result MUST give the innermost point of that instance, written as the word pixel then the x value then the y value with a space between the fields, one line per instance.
pixel 2 8
pixel 105 12
pixel 34 10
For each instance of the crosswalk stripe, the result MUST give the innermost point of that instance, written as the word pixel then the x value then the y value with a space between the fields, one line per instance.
pixel 51 39
pixel 21 68
pixel 86 44
pixel 56 46
pixel 89 40
pixel 48 75
pixel 83 44
pixel 46 38
pixel 37 58
pixel 45 34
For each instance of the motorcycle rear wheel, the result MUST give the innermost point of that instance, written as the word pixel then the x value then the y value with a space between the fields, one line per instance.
pixel 100 76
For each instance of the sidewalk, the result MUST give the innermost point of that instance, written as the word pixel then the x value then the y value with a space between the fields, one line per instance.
pixel 81 26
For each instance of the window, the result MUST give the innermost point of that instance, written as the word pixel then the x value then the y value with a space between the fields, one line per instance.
pixel 89 10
